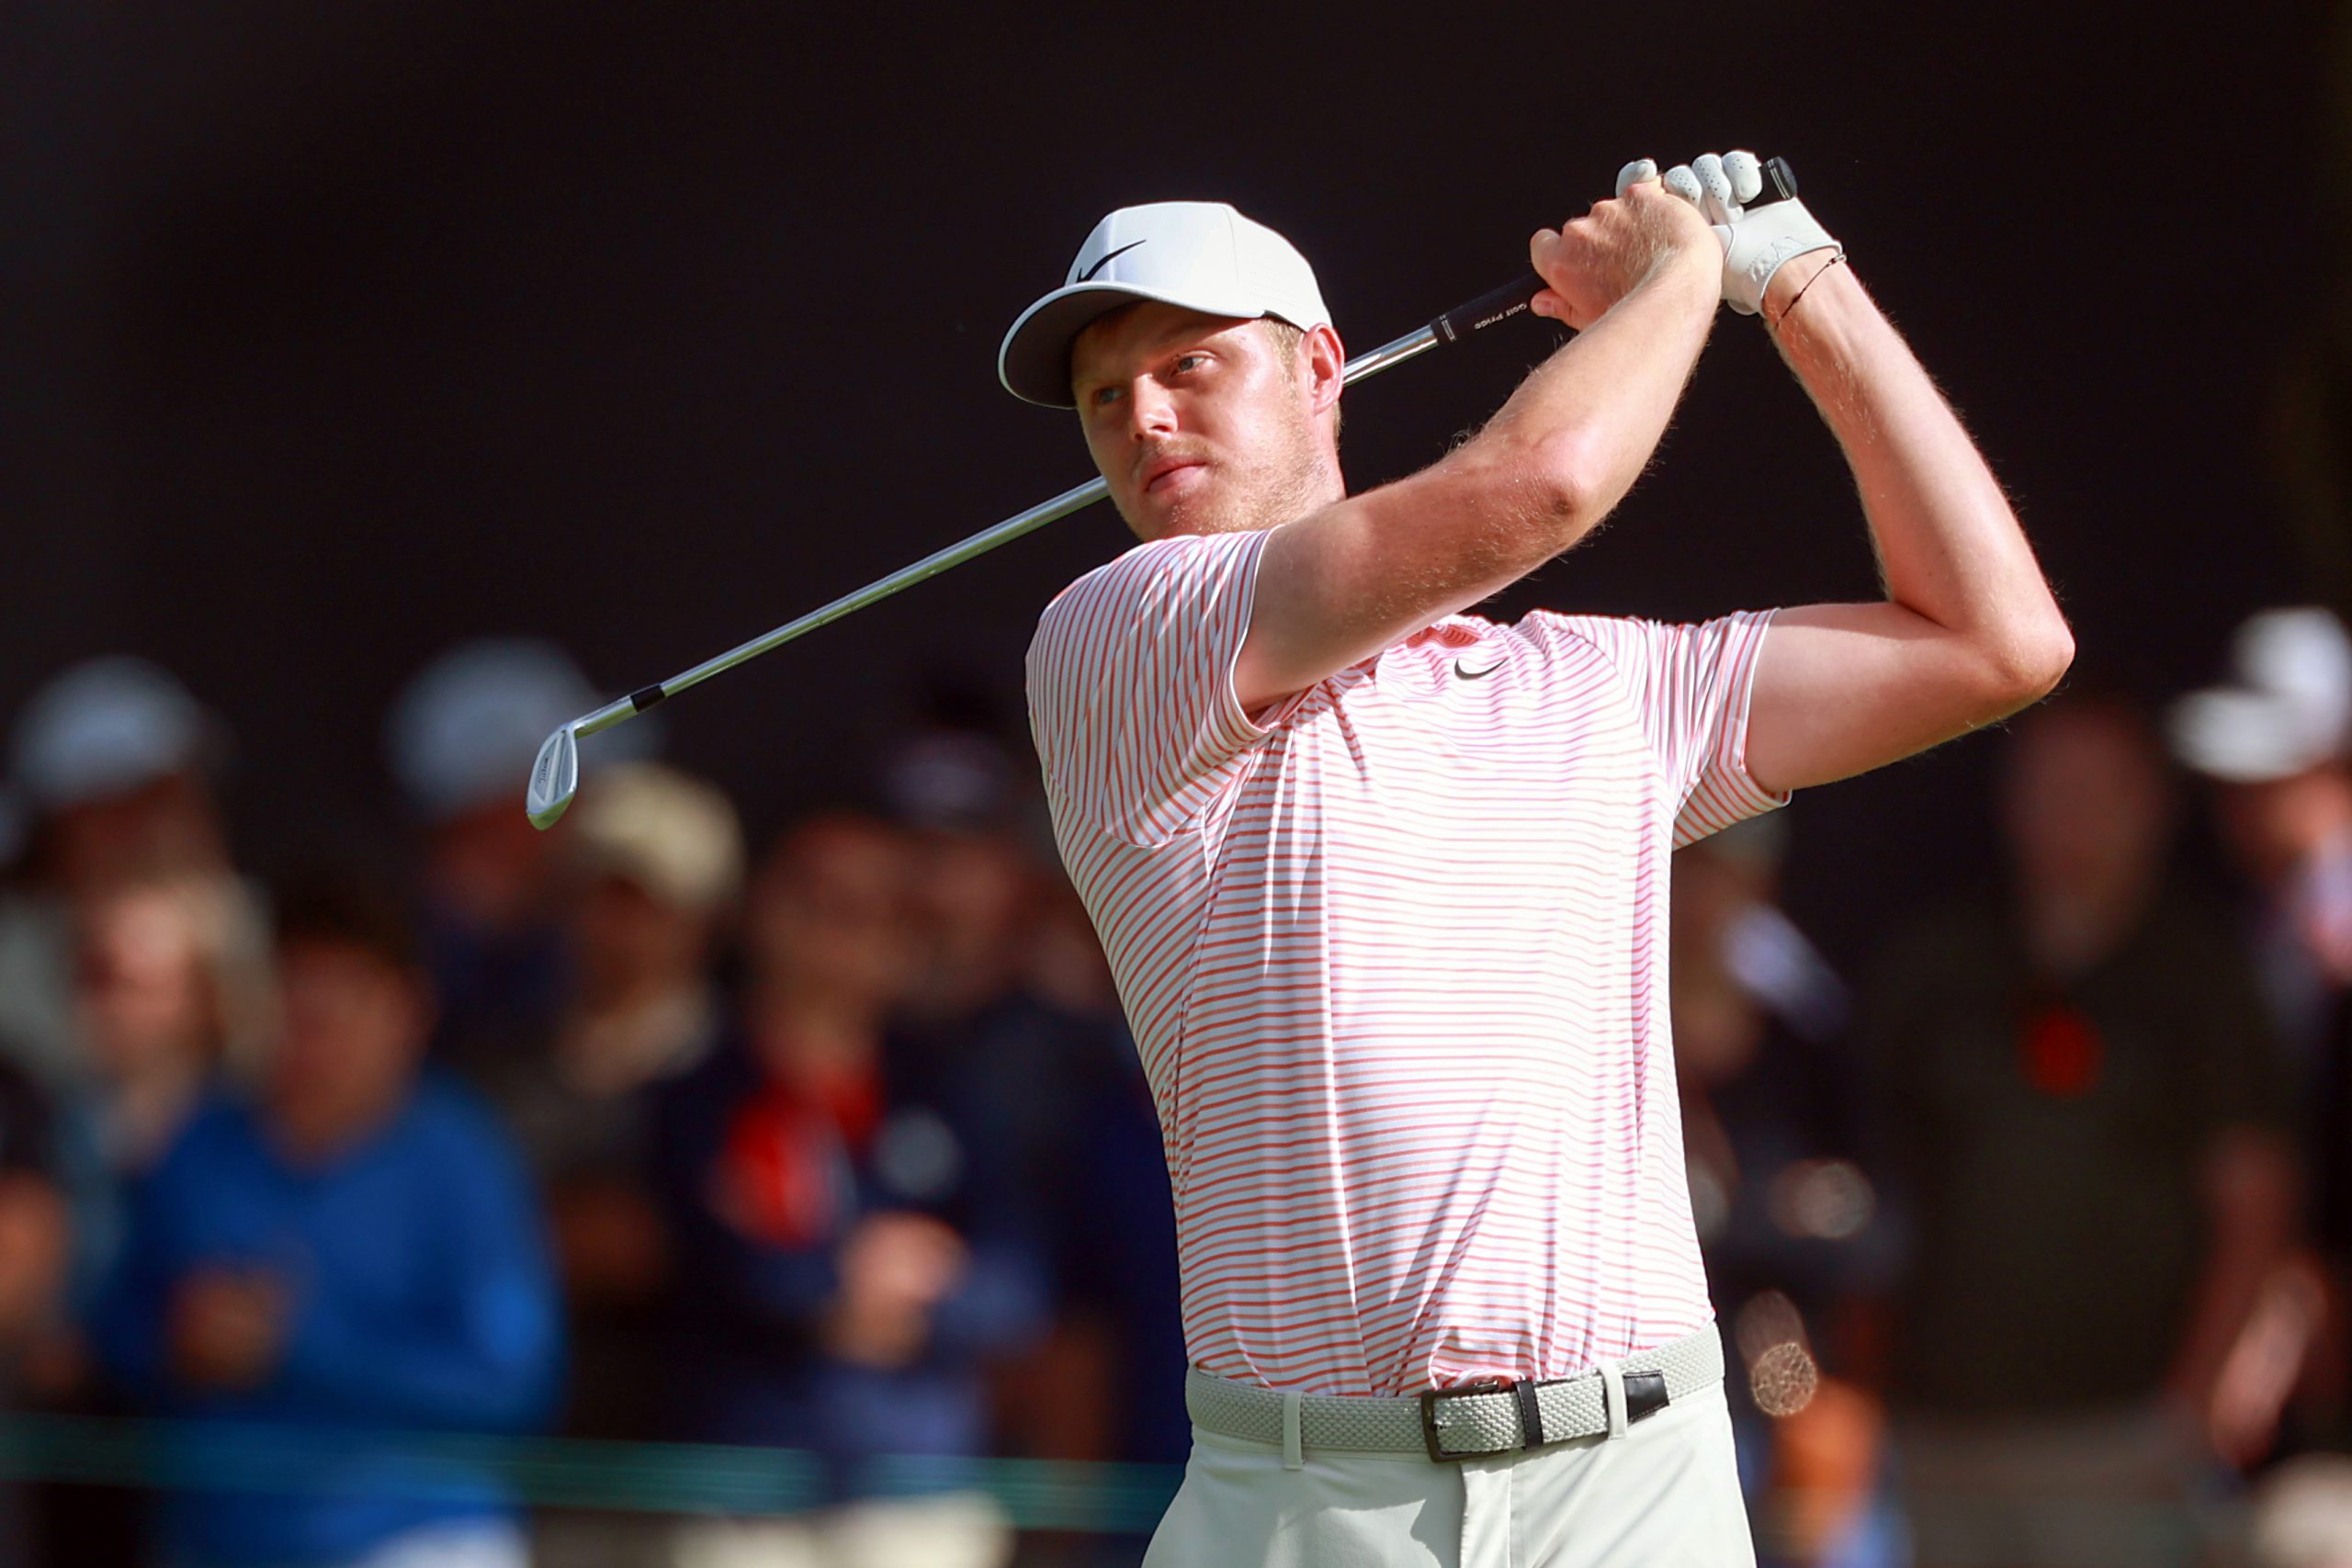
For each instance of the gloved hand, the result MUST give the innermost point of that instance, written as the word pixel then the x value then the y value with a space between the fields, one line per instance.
pixel 1754 243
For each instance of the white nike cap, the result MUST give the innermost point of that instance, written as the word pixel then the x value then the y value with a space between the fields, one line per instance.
pixel 1200 255
pixel 107 728
pixel 2289 710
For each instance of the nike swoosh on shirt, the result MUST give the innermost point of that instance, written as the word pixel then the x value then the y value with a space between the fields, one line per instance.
pixel 1476 674
pixel 1108 257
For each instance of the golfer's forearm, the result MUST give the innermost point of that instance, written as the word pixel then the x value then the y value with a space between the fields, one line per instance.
pixel 1947 544
pixel 1585 421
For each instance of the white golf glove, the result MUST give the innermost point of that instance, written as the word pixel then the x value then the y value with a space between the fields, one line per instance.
pixel 1754 243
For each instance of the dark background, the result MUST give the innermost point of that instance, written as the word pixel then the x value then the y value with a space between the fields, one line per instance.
pixel 337 332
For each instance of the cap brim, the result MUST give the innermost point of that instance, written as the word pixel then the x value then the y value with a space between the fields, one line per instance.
pixel 2243 737
pixel 1034 364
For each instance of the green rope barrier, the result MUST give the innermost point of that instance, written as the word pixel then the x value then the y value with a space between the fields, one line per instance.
pixel 686 1478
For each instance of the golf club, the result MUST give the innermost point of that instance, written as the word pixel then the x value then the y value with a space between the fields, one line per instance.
pixel 555 775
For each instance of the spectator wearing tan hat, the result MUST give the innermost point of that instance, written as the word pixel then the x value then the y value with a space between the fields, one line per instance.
pixel 656 864
pixel 662 855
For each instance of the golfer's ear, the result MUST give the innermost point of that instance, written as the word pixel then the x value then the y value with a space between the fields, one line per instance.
pixel 1327 363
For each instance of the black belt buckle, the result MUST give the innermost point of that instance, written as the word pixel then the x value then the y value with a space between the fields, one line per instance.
pixel 1432 1397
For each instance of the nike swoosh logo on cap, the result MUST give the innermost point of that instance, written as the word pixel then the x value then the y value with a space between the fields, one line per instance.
pixel 1108 257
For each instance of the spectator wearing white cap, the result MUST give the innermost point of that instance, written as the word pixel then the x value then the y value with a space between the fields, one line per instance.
pixel 2079 1109
pixel 2273 737
pixel 110 772
pixel 460 737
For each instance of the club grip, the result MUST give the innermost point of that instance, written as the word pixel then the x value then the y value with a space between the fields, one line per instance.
pixel 1511 299
pixel 1499 305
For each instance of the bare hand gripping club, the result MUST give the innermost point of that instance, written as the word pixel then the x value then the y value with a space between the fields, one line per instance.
pixel 555 776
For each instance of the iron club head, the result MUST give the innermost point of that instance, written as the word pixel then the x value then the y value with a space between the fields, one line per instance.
pixel 555 778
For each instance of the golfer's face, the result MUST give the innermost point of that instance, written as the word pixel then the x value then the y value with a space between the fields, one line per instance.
pixel 1183 412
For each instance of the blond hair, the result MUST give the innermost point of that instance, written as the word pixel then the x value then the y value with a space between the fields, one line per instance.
pixel 1287 339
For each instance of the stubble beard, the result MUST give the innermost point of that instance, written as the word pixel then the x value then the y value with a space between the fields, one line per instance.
pixel 1280 480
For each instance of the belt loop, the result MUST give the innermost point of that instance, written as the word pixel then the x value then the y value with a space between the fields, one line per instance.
pixel 1612 1396
pixel 1293 1450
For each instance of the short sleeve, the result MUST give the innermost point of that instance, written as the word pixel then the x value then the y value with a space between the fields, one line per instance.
pixel 1693 684
pixel 1131 698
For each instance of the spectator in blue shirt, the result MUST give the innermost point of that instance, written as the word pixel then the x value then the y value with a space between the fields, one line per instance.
pixel 351 1253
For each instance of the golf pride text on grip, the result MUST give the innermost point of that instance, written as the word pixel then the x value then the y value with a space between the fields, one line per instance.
pixel 1499 305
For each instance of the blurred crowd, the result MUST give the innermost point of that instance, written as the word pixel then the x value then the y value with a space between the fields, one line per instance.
pixel 2030 1236
pixel 618 1132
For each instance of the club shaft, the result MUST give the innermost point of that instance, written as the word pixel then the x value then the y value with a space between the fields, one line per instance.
pixel 931 565
pixel 1418 342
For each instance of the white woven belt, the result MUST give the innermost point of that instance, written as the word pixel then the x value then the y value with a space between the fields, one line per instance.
pixel 1490 1415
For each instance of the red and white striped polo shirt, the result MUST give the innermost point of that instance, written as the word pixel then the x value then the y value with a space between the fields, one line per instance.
pixel 1394 956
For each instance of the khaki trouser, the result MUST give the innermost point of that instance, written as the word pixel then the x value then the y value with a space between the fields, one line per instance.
pixel 951 1530
pixel 1664 1495
pixel 2109 1489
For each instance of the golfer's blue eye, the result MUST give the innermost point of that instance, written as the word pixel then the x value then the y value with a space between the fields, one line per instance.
pixel 1190 361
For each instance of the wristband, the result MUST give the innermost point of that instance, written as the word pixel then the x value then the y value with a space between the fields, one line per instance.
pixel 1776 320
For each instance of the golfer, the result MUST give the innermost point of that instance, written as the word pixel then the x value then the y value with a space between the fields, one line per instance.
pixel 1383 885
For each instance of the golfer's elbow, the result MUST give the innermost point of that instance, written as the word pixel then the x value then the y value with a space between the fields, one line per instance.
pixel 2044 651
pixel 2023 658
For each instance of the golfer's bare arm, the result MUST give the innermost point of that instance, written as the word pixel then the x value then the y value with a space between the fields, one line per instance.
pixel 1640 277
pixel 1968 633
